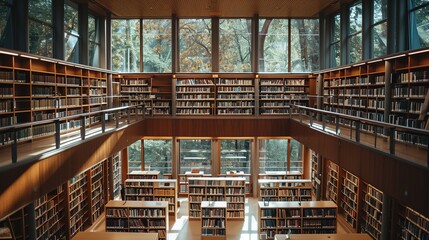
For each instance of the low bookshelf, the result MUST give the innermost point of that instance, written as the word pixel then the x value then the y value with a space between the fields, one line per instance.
pixel 313 217
pixel 229 189
pixel 115 236
pixel 137 216
pixel 153 190
pixel 144 175
pixel 213 220
pixel 280 175
pixel 285 189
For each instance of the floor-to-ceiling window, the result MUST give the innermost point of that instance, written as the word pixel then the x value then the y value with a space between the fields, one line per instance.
pixel 6 24
pixel 93 41
pixel 195 153
pixel 304 45
pixel 273 155
pixel 235 155
pixel 157 45
pixel 273 49
pixel 40 27
pixel 125 45
pixel 354 38
pixel 71 32
pixel 295 156
pixel 419 23
pixel 195 45
pixel 379 28
pixel 335 40
pixel 235 45
pixel 135 156
pixel 157 155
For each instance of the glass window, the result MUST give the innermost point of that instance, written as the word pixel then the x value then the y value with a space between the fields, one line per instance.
pixel 304 45
pixel 295 156
pixel 71 33
pixel 135 156
pixel 355 33
pixel 379 28
pixel 195 45
pixel 235 155
pixel 6 24
pixel 273 155
pixel 273 45
pixel 195 154
pixel 235 44
pixel 40 30
pixel 157 155
pixel 157 45
pixel 419 24
pixel 335 39
pixel 126 45
pixel 93 41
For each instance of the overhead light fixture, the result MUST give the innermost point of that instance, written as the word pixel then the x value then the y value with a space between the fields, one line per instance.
pixel 28 56
pixel 48 60
pixel 9 53
pixel 393 57
pixel 359 64
pixel 421 51
pixel 374 61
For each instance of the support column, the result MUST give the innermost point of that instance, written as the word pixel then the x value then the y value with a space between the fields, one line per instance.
pixel 255 167
pixel 215 44
pixel 386 217
pixel 83 33
pixel 21 25
pixel 58 22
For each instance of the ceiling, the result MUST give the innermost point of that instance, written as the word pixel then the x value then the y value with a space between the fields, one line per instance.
pixel 212 8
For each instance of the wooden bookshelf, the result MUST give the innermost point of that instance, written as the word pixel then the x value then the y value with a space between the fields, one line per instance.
pixel 136 90
pixel 32 90
pixel 235 96
pixel 162 95
pixel 213 220
pixel 285 189
pixel 280 175
pixel 337 236
pixel 117 175
pixel 115 236
pixel 16 225
pixel 349 198
pixel 79 205
pixel 240 174
pixel 229 189
pixel 314 217
pixel 50 212
pixel 371 211
pixel 144 175
pixel 137 216
pixel 98 190
pixel 411 224
pixel 332 182
pixel 315 179
pixel 184 181
pixel 153 190
pixel 195 96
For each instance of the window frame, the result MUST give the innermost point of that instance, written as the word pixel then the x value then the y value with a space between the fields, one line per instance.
pixel 77 35
pixel 354 34
pixel 45 24
pixel 373 26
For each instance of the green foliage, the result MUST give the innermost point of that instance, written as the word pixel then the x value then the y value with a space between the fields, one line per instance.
pixel 157 155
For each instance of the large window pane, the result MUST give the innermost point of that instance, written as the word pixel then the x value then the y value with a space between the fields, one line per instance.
pixel 195 45
pixel 336 36
pixel 40 10
pixel 379 39
pixel 379 11
pixel 235 40
pixel 304 45
pixel 336 51
pixel 273 45
pixel 295 156
pixel 94 44
pixel 40 39
pixel 71 33
pixel 157 45
pixel 355 45
pixel 157 155
pixel 416 3
pixel 126 45
pixel 195 154
pixel 6 26
pixel 235 155
pixel 135 156
pixel 355 20
pixel 335 41
pixel 419 26
pixel 273 155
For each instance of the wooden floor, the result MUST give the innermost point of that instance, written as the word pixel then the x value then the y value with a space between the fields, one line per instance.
pixel 183 229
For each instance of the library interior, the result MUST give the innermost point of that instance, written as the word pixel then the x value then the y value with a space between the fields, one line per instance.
pixel 214 119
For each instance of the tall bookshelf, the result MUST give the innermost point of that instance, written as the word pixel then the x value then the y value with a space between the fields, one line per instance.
pixel 153 190
pixel 137 216
pixel 315 180
pixel 371 211
pixel 51 214
pixel 411 224
pixel 98 190
pixel 33 89
pixel 162 95
pixel 349 197
pixel 79 205
pixel 285 189
pixel 16 225
pixel 313 217
pixel 117 175
pixel 235 96
pixel 136 90
pixel 195 96
pixel 213 220
pixel 229 189
pixel 332 182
